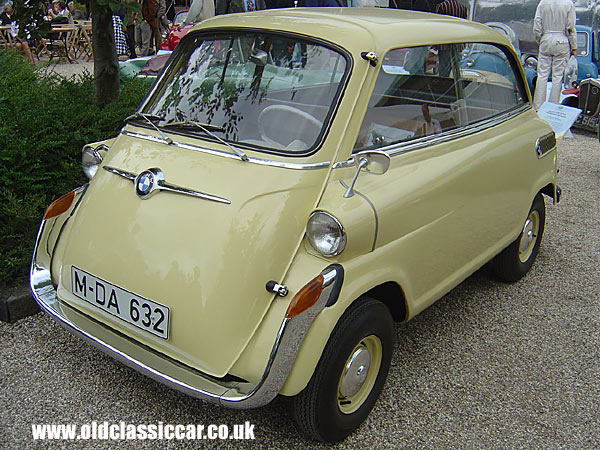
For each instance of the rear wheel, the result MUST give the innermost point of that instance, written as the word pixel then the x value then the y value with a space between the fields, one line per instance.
pixel 516 259
pixel 350 374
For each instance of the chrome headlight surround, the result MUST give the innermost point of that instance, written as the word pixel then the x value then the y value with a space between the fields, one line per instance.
pixel 325 233
pixel 91 158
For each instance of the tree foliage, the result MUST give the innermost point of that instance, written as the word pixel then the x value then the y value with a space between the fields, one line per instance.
pixel 44 123
pixel 30 18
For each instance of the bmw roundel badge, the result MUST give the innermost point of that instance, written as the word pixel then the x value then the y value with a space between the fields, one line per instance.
pixel 146 182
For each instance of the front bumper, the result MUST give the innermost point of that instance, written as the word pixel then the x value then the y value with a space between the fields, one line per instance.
pixel 236 394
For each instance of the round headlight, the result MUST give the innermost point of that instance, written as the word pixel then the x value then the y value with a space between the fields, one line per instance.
pixel 531 62
pixel 90 161
pixel 325 233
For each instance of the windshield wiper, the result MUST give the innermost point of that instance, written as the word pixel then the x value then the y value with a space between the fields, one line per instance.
pixel 192 124
pixel 149 118
pixel 206 128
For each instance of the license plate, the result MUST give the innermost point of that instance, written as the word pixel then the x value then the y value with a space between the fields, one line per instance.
pixel 127 306
pixel 589 122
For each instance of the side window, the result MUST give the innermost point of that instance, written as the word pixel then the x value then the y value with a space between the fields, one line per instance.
pixel 489 83
pixel 423 91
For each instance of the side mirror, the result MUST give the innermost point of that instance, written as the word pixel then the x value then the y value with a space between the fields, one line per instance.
pixel 372 161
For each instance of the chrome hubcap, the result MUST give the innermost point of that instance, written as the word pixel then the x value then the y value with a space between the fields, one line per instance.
pixel 355 372
pixel 529 236
pixel 359 374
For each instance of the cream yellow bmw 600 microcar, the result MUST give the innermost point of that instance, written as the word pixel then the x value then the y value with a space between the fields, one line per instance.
pixel 294 183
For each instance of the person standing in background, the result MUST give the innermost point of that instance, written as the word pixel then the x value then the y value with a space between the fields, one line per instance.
pixel 131 19
pixel 554 29
pixel 151 13
pixel 199 10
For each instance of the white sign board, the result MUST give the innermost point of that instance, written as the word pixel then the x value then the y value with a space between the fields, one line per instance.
pixel 559 117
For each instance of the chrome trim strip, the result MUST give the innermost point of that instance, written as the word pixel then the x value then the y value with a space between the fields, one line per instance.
pixel 259 161
pixel 405 147
pixel 162 185
pixel 122 173
pixel 283 353
pixel 187 380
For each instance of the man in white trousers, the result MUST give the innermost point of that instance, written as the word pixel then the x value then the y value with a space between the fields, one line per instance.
pixel 199 10
pixel 554 29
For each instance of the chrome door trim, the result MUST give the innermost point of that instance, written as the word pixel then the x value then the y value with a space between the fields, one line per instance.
pixel 426 141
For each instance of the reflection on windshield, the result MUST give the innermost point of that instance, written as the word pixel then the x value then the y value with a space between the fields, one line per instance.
pixel 256 89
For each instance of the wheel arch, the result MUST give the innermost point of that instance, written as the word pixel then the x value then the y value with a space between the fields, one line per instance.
pixel 389 293
pixel 552 191
pixel 392 296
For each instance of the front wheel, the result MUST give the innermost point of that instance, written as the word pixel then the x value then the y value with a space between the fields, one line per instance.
pixel 516 259
pixel 350 374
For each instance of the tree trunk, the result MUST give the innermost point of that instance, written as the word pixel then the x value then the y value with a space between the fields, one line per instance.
pixel 106 64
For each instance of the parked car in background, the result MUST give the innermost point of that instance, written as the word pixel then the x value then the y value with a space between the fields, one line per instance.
pixel 176 32
pixel 144 67
pixel 519 16
pixel 475 57
pixel 585 94
pixel 280 199
pixel 148 67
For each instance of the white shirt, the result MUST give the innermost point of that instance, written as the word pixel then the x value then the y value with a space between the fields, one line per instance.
pixel 555 17
pixel 199 10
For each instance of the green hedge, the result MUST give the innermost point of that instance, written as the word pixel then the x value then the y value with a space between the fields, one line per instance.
pixel 44 123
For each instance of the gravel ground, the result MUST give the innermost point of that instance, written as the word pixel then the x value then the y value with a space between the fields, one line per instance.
pixel 488 366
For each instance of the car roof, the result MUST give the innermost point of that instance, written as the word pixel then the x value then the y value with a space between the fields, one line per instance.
pixel 363 28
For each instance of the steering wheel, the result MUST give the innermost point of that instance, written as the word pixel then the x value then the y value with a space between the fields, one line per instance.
pixel 284 124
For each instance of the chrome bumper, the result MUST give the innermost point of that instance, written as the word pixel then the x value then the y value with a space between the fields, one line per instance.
pixel 240 395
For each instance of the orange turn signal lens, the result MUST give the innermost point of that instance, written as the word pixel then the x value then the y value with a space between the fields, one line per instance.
pixel 306 297
pixel 60 205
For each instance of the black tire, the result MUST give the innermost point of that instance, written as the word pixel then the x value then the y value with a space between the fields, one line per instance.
pixel 516 259
pixel 321 411
pixel 571 101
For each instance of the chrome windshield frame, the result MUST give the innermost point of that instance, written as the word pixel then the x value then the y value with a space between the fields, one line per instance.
pixel 224 154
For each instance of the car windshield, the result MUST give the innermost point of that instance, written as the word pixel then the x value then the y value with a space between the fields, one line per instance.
pixel 180 17
pixel 266 91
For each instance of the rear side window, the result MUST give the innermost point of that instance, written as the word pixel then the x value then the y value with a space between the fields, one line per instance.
pixel 430 90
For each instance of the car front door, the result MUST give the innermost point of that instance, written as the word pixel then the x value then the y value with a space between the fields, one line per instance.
pixel 457 190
